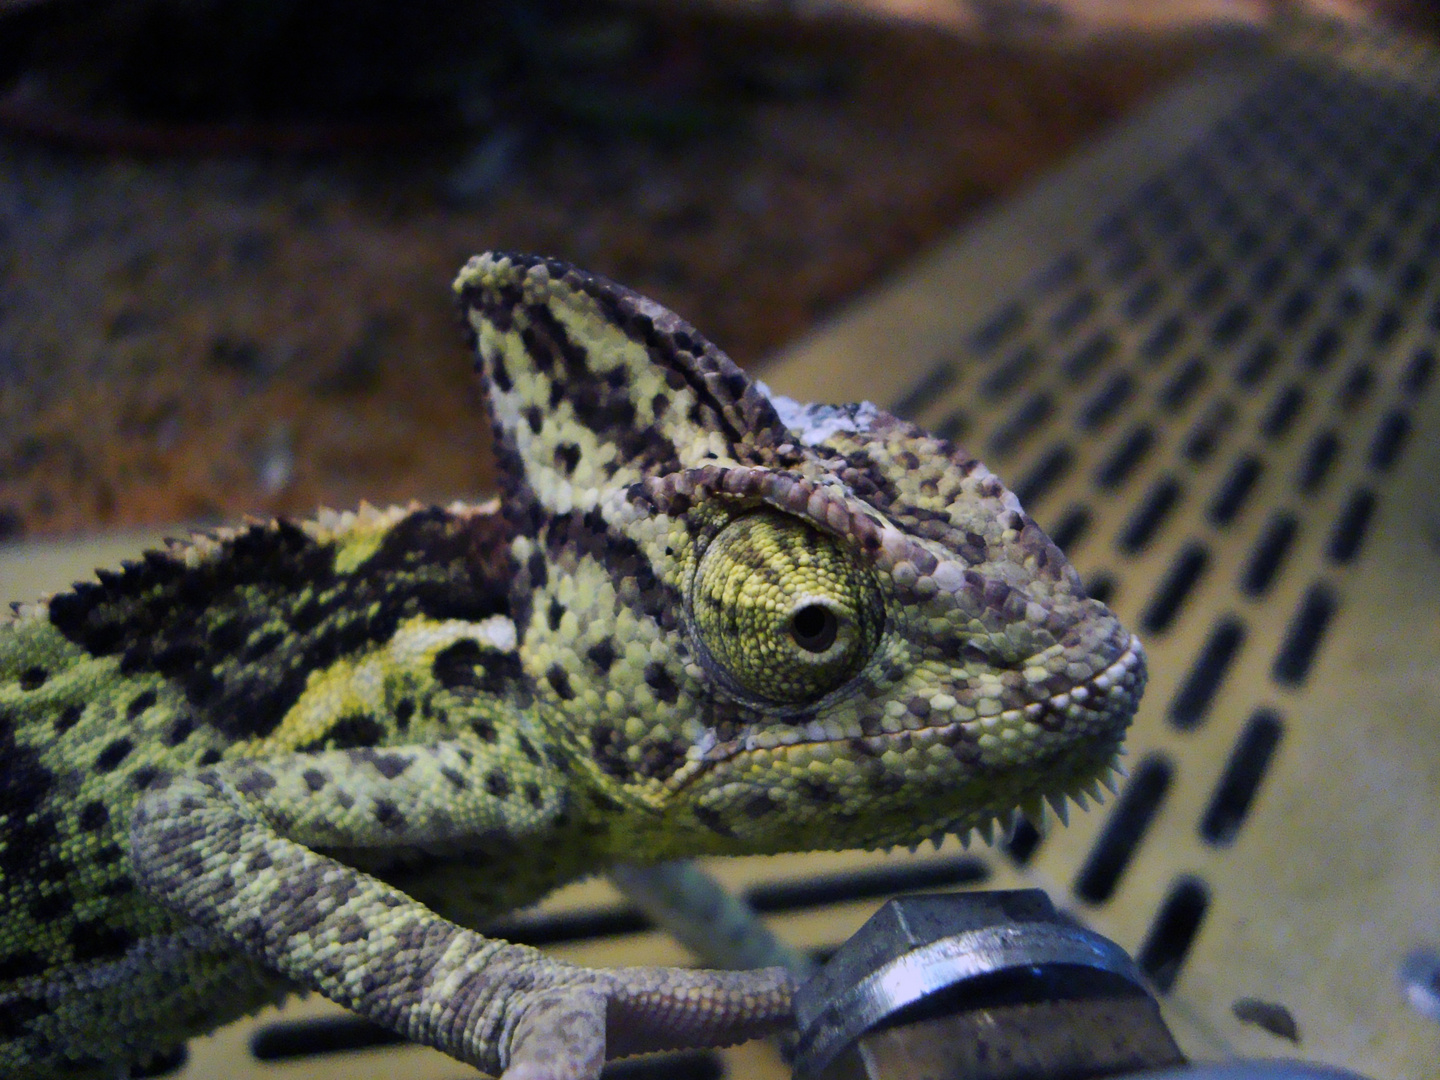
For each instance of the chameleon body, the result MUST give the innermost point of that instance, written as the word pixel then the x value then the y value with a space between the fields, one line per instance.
pixel 699 620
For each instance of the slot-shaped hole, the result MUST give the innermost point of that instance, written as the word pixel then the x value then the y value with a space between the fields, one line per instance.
pixel 1106 401
pixel 1083 362
pixel 1209 431
pixel 1189 251
pixel 1007 376
pixel 1022 843
pixel 287 1040
pixel 1328 257
pixel 161 1065
pixel 1231 324
pixel 1073 313
pixel 871 883
pixel 1304 634
pixel 955 426
pixel 1140 302
pixel 1235 488
pixel 561 927
pixel 999 326
pixel 684 1065
pixel 1208 286
pixel 1161 341
pixel 1283 412
pixel 1173 932
pixel 1021 423
pixel 1322 348
pixel 1062 271
pixel 1181 388
pixel 1124 830
pixel 1389 440
pixel 1359 381
pixel 1202 682
pixel 1258 364
pixel 1294 306
pixel 1071 528
pixel 1266 276
pixel 1385 327
pixel 1268 555
pixel 1418 373
pixel 1320 458
pixel 1179 581
pixel 1143 525
pixel 927 389
pixel 1412 278
pixel 1047 471
pixel 1351 525
pixel 1126 457
pixel 1100 586
pixel 1239 783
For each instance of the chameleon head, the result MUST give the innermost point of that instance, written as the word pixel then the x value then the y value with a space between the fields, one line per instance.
pixel 769 626
pixel 895 650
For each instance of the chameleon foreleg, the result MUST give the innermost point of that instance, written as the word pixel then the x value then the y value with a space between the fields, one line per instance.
pixel 230 848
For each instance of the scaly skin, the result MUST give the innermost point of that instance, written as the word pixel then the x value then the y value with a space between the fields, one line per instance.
pixel 701 620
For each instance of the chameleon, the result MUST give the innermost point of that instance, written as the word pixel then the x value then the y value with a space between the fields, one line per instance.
pixel 699 619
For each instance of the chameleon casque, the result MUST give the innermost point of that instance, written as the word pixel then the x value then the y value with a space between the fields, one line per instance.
pixel 701 619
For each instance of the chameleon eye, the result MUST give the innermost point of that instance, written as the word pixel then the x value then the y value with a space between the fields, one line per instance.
pixel 785 609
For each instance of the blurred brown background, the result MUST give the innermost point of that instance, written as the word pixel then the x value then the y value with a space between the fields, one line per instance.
pixel 227 230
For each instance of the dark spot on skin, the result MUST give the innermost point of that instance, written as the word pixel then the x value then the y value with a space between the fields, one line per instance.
pixel 94 815
pixel 32 678
pixel 181 728
pixel 528 749
pixel 759 805
pixel 210 757
pixel 713 820
pixel 404 710
pixel 483 729
pixel 607 747
pixel 538 569
pixel 661 683
pixel 109 855
pixel 535 417
pixel 347 733
pixel 139 704
pixel 390 765
pixel 255 782
pixel 259 861
pixel 817 790
pixel 315 780
pixel 605 803
pixel 602 655
pixel 68 718
pixel 457 780
pixel 557 758
pixel 119 887
pixel 497 783
pixel 532 793
pixel 51 906
pixel 93 940
pixel 21 1010
pixel 554 614
pixel 144 777
pixel 567 457
pixel 560 681
pixel 113 754
pixel 388 814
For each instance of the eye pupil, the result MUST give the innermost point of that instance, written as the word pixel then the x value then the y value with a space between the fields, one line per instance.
pixel 814 628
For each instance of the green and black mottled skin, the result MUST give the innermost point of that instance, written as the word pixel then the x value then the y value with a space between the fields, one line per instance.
pixel 701 619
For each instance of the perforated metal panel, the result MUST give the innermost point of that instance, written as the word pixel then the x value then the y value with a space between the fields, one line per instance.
pixel 1205 357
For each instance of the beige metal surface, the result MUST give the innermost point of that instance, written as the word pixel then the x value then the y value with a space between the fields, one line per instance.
pixel 1299 868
